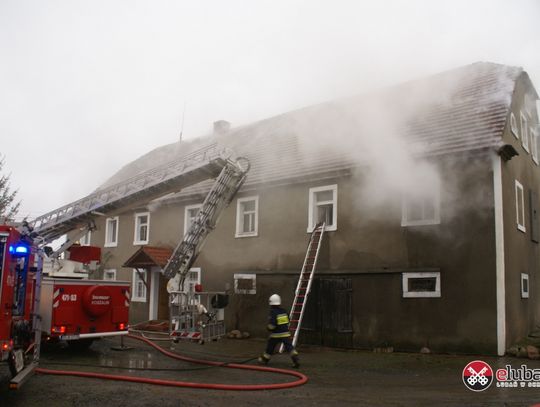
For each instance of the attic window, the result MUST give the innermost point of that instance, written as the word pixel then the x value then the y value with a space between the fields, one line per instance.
pixel 513 125
pixel 524 133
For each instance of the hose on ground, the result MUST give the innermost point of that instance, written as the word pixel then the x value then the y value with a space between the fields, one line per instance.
pixel 301 378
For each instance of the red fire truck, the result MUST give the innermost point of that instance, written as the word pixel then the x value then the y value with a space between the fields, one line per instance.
pixel 72 309
pixel 16 289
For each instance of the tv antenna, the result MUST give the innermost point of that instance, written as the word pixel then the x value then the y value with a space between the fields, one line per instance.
pixel 182 126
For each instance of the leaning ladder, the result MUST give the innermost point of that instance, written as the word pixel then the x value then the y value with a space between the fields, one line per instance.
pixel 304 282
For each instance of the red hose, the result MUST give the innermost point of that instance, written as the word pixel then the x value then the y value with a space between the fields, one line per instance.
pixel 216 386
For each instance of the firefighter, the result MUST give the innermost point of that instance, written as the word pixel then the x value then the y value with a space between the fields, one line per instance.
pixel 278 325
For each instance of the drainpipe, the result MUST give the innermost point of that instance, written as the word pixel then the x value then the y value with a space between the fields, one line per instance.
pixel 499 254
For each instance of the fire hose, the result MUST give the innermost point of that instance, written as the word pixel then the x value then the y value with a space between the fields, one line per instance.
pixel 301 378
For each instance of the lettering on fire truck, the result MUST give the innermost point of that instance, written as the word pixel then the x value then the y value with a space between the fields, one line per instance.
pixel 69 297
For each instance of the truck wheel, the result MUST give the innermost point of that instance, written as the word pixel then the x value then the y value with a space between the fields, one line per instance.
pixel 80 344
pixel 16 361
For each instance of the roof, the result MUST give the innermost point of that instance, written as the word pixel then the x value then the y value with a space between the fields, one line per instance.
pixel 149 256
pixel 460 110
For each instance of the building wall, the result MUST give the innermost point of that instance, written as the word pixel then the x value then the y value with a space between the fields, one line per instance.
pixel 372 249
pixel 369 247
pixel 522 253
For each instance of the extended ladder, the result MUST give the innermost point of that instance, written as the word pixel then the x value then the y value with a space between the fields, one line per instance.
pixel 226 185
pixel 304 282
pixel 199 165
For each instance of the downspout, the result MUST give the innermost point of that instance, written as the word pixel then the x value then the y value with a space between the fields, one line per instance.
pixel 499 254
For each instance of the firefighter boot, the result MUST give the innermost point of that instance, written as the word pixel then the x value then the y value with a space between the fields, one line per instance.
pixel 295 361
pixel 263 359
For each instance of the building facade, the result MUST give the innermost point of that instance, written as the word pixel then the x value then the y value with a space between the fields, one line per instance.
pixel 431 207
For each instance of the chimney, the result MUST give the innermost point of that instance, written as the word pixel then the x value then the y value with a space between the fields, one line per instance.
pixel 221 127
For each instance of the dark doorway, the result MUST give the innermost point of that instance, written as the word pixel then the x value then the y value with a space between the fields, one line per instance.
pixel 328 316
pixel 163 300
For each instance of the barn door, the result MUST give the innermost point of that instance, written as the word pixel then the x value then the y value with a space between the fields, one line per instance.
pixel 328 319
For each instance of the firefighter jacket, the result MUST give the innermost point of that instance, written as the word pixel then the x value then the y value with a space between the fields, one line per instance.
pixel 278 323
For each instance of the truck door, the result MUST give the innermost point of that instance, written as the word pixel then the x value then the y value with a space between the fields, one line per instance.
pixel 5 307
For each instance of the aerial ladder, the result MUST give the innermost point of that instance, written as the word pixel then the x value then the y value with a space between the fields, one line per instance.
pixel 211 161
pixel 187 305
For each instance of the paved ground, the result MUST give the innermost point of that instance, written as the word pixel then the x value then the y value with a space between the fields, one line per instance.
pixel 340 378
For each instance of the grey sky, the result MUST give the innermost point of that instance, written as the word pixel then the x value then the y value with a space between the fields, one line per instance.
pixel 87 86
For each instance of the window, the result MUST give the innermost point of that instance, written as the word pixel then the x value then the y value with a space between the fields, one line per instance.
pixel 524 285
pixel 524 133
pixel 513 125
pixel 421 207
pixel 85 240
pixel 534 145
pixel 520 207
pixel 139 286
pixel 323 207
pixel 111 232
pixel 245 284
pixel 193 277
pixel 190 214
pixel 109 274
pixel 418 285
pixel 142 228
pixel 247 216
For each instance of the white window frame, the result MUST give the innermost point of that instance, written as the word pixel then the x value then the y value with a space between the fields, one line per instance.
pixel 436 220
pixel 513 125
pixel 312 222
pixel 421 294
pixel 187 218
pixel 86 239
pixel 534 145
pixel 520 200
pixel 243 276
pixel 240 217
pixel 138 226
pixel 524 132
pixel 108 242
pixel 190 281
pixel 135 281
pixel 525 293
pixel 109 272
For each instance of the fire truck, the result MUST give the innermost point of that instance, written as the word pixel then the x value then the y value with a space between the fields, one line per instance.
pixel 71 308
pixel 63 307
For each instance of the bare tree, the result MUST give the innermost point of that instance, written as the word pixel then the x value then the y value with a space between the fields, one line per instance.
pixel 8 206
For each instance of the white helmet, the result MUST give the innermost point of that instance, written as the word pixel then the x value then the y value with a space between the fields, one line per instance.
pixel 274 300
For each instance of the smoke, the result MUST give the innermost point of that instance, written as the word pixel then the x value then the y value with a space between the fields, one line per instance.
pixel 386 136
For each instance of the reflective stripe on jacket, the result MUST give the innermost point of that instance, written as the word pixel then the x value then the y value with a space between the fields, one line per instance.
pixel 278 323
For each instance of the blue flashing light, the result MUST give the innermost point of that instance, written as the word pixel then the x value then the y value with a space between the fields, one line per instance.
pixel 19 249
